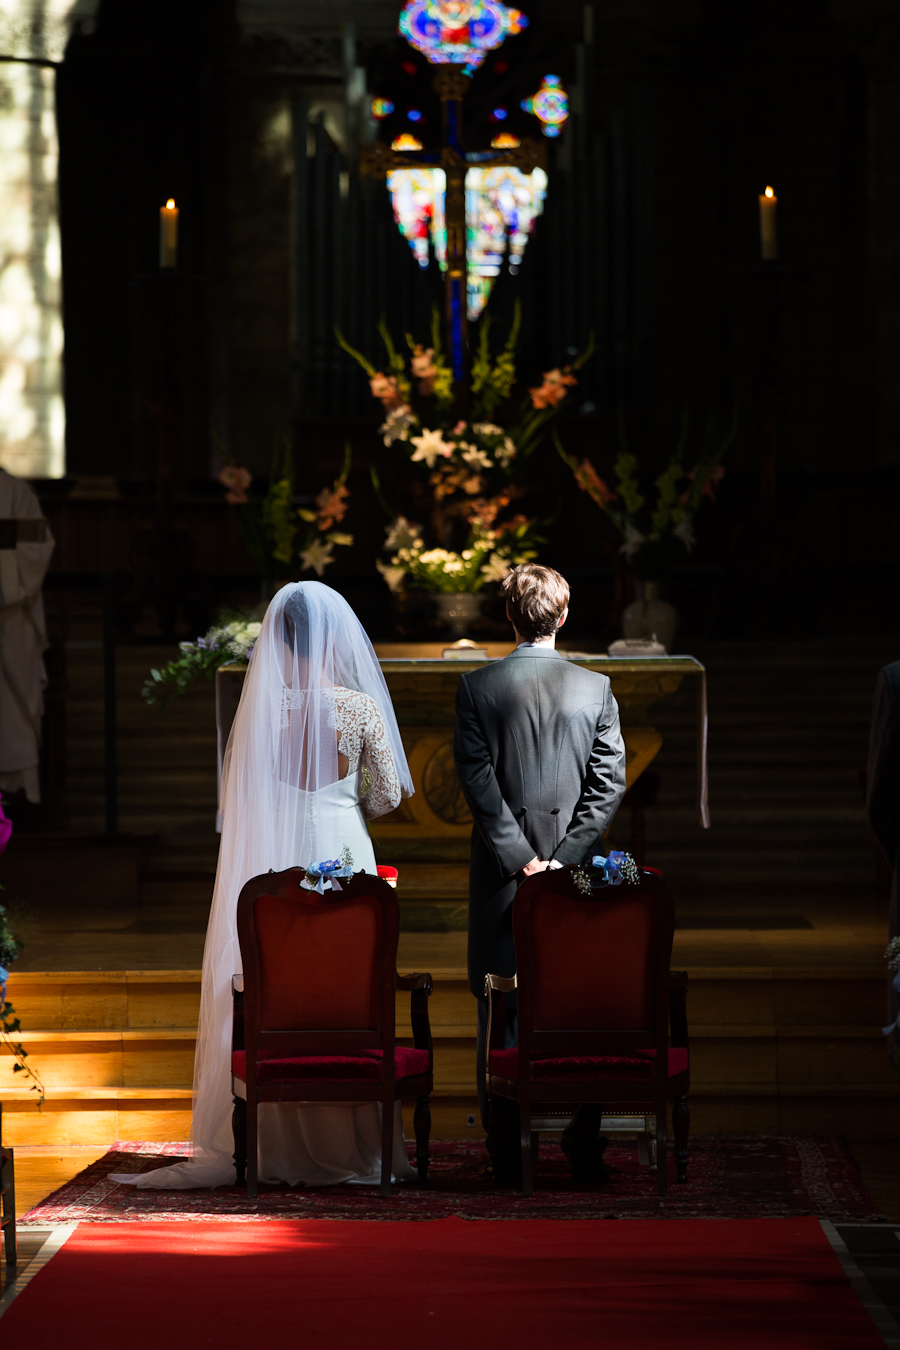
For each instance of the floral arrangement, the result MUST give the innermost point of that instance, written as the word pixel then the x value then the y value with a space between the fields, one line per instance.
pixel 654 533
pixel 317 874
pixel 231 639
pixel 488 557
pixel 10 948
pixel 614 869
pixel 468 465
pixel 285 539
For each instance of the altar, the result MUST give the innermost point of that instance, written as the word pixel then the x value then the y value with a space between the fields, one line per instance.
pixel 427 837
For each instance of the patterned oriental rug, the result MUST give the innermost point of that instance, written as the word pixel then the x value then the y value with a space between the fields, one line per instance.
pixel 729 1177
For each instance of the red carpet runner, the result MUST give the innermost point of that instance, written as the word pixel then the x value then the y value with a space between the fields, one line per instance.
pixel 529 1284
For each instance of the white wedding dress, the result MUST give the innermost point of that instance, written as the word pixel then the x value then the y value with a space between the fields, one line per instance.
pixel 323 1145
pixel 314 751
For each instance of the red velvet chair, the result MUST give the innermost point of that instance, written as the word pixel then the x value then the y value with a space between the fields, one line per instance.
pixel 315 1021
pixel 594 1000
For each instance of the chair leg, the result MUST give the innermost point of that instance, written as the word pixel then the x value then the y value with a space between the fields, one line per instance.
pixel 387 1146
pixel 252 1149
pixel 662 1152
pixel 525 1130
pixel 422 1127
pixel 681 1124
pixel 239 1130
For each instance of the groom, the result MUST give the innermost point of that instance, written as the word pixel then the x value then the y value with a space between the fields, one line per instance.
pixel 541 762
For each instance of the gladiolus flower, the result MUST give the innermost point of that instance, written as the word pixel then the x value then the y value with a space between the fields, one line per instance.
pixel 554 388
pixel 384 387
pixel 331 506
pixel 589 481
pixel 423 368
pixel 236 480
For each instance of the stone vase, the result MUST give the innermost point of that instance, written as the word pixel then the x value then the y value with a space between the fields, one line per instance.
pixel 650 616
pixel 457 612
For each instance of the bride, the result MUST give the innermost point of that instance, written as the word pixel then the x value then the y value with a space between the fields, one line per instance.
pixel 313 752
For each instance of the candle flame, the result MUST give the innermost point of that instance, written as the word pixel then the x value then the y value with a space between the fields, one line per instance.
pixel 170 204
pixel 769 193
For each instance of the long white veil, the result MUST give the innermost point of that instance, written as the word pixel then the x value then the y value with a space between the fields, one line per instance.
pixel 282 749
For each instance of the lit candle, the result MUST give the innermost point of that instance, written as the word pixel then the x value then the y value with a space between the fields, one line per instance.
pixel 768 227
pixel 168 234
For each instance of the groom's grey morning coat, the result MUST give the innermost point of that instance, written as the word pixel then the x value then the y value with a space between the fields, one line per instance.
pixel 541 763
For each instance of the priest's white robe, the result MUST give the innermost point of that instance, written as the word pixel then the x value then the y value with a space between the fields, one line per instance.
pixel 26 545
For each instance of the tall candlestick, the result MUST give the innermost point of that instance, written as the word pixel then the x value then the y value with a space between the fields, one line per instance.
pixel 768 225
pixel 168 234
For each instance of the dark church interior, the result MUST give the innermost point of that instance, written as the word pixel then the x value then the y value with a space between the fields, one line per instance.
pixel 678 223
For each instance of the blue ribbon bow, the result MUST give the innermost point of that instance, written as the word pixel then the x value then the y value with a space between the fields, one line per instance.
pixel 4 976
pixel 610 867
pixel 896 1022
pixel 329 870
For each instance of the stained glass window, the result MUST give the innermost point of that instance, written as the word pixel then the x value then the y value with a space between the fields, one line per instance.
pixel 417 196
pixel 381 108
pixel 458 32
pixel 502 204
pixel 550 105
pixel 405 142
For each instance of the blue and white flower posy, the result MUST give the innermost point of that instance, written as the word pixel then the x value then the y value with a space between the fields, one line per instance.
pixel 617 867
pixel 318 873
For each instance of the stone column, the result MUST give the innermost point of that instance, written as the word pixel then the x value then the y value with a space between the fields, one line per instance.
pixel 33 34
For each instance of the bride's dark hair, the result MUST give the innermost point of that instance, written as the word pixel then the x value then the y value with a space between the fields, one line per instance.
pixel 295 614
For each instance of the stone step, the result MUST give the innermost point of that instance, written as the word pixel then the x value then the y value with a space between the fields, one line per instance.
pixel 101 1039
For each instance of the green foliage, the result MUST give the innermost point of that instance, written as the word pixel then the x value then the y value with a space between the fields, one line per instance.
pixel 278 515
pixel 284 539
pixel 493 380
pixel 10 1026
pixel 231 638
pixel 10 946
pixel 351 351
pixel 655 539
pixel 443 380
pixel 396 361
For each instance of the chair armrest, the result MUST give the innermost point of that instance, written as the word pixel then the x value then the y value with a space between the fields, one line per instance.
pixel 420 987
pixel 678 986
pixel 419 981
pixel 496 987
pixel 506 984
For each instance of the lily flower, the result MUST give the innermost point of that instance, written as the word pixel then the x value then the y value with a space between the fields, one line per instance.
pixel 430 447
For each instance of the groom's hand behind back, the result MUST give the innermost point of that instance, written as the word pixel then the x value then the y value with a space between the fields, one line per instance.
pixel 534 866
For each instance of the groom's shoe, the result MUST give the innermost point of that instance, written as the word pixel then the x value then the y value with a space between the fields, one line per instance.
pixel 586 1159
pixel 500 1174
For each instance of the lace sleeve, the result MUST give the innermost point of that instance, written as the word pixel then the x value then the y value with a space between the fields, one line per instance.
pixel 384 793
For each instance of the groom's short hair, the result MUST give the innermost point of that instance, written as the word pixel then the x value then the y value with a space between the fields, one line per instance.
pixel 537 598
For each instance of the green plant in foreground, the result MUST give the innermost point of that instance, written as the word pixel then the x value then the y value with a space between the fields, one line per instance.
pixel 10 948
